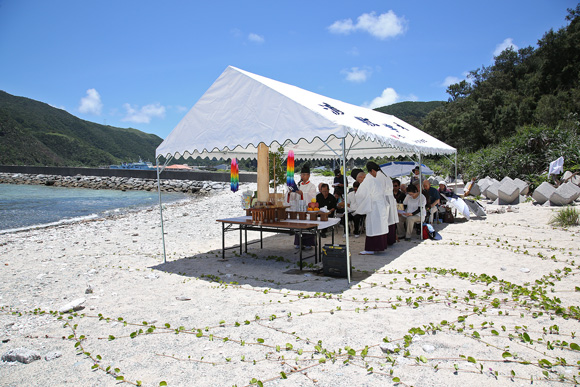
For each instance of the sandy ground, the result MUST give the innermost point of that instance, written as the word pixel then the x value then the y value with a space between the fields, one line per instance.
pixel 493 302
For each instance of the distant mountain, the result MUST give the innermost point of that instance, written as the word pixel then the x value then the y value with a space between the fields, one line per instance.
pixel 411 112
pixel 34 133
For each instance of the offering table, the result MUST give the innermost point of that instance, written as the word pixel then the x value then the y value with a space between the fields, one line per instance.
pixel 288 226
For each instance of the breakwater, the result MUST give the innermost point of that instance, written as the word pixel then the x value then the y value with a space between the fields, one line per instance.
pixel 120 179
pixel 114 182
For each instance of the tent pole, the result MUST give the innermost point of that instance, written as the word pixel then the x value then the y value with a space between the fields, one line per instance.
pixel 343 157
pixel 161 210
pixel 421 193
pixel 455 190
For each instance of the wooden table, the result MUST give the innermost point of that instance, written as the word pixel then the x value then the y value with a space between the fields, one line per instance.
pixel 289 226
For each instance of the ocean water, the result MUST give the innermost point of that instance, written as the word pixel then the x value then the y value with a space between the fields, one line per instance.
pixel 25 206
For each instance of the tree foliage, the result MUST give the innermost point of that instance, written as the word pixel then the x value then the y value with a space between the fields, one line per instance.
pixel 34 133
pixel 530 86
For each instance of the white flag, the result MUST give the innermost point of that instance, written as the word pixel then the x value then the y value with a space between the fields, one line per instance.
pixel 557 166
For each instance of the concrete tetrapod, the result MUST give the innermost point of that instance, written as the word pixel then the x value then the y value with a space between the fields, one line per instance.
pixel 543 193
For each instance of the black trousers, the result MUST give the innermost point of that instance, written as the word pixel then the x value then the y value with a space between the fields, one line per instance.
pixel 357 219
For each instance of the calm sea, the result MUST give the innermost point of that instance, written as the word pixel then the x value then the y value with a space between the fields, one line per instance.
pixel 24 206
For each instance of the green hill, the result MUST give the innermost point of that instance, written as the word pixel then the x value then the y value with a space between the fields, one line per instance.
pixel 34 133
pixel 411 112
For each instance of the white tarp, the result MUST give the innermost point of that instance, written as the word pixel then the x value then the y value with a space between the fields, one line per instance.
pixel 242 109
pixel 402 168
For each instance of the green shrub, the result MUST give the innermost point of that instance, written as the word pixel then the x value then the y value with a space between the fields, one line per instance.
pixel 566 217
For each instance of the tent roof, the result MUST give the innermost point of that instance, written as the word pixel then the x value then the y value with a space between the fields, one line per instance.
pixel 242 109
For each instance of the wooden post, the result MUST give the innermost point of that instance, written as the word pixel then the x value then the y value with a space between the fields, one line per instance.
pixel 263 173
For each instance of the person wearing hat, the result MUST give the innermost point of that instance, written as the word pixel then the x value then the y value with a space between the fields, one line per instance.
pixel 307 191
pixel 354 173
pixel 373 203
pixel 338 183
pixel 415 177
pixel 444 192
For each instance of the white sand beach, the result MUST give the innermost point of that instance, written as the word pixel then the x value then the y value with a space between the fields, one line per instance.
pixel 495 302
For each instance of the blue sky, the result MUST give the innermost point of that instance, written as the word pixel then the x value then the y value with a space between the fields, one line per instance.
pixel 143 64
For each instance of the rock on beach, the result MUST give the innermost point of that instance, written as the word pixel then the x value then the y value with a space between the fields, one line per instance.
pixel 22 355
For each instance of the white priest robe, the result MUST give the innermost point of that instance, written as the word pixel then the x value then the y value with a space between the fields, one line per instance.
pixel 387 184
pixel 371 201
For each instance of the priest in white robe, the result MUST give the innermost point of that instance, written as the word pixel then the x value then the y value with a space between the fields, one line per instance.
pixel 372 202
pixel 387 183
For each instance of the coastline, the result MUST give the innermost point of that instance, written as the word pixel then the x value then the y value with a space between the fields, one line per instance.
pixel 255 316
pixel 114 182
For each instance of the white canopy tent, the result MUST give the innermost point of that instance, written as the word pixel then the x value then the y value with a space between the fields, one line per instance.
pixel 241 110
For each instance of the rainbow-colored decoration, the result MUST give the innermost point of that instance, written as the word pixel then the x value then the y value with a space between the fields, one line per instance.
pixel 234 175
pixel 290 172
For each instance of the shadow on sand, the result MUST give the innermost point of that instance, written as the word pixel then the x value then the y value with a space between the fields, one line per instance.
pixel 276 265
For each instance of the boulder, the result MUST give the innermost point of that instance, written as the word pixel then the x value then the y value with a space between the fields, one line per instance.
pixel 563 195
pixel 543 192
pixel 22 355
pixel 508 192
pixel 72 306
pixel 522 185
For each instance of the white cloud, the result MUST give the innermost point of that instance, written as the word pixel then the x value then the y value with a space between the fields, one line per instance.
pixel 450 80
pixel 503 45
pixel 353 51
pixel 255 38
pixel 388 97
pixel 61 107
pixel 342 27
pixel 357 75
pixel 386 25
pixel 91 103
pixel 144 114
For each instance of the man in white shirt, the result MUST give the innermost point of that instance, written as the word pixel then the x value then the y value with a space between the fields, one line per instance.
pixel 414 202
pixel 307 190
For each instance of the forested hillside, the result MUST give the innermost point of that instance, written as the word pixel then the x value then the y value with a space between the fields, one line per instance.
pixel 531 86
pixel 411 112
pixel 34 133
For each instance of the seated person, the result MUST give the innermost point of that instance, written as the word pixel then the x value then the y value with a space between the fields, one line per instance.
pixel 413 202
pixel 351 203
pixel 415 177
pixel 325 199
pixel 338 183
pixel 397 193
pixel 443 190
pixel 433 199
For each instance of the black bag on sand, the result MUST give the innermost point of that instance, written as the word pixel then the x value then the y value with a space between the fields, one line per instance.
pixel 448 216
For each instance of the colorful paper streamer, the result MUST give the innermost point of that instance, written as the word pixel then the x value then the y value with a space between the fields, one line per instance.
pixel 234 175
pixel 290 172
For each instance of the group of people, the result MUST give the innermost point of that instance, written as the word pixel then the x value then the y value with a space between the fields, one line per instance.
pixel 388 209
